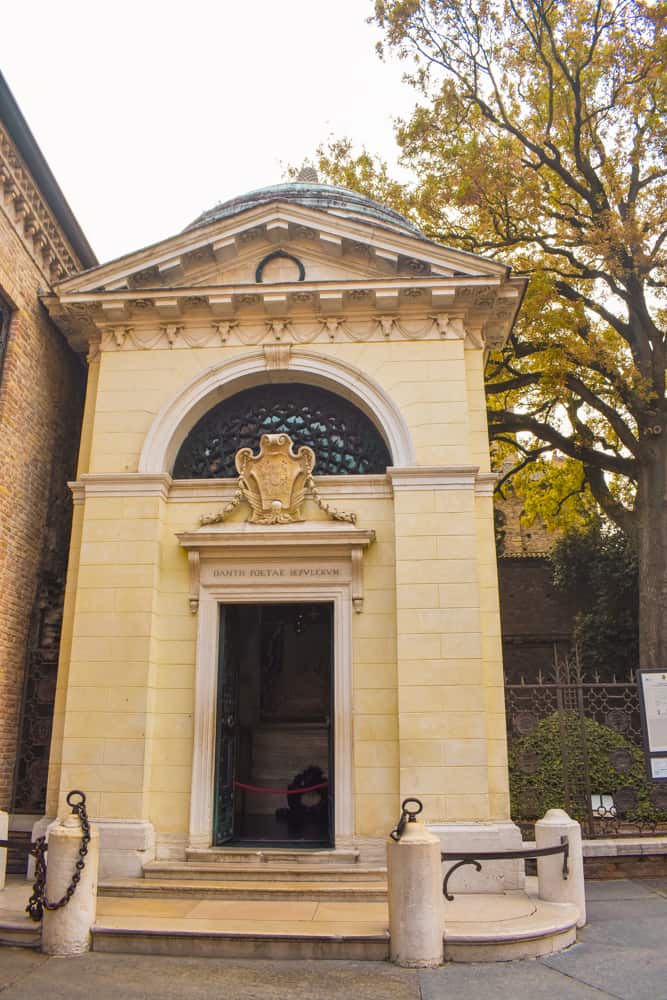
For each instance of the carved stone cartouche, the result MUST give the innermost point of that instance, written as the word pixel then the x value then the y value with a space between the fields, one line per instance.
pixel 275 484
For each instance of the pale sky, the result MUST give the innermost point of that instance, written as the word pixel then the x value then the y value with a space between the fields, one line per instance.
pixel 151 112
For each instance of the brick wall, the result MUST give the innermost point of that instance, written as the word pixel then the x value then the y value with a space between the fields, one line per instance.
pixel 534 616
pixel 515 536
pixel 41 392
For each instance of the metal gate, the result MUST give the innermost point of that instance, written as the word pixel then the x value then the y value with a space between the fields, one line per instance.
pixel 576 744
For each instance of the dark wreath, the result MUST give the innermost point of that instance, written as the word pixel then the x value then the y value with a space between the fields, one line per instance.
pixel 312 803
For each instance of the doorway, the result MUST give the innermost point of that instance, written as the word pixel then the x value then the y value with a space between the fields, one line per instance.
pixel 274 732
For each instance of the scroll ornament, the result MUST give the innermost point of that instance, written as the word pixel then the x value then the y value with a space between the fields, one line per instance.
pixel 275 483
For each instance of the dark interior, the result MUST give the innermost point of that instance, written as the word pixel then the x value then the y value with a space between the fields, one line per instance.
pixel 274 725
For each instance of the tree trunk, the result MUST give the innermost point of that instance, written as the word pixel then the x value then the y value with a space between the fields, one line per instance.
pixel 651 508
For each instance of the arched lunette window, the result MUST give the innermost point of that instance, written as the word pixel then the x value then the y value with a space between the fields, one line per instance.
pixel 344 439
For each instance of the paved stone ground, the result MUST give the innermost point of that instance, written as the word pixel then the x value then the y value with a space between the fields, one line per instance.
pixel 621 954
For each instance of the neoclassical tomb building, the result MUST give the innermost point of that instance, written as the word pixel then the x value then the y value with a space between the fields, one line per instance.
pixel 282 573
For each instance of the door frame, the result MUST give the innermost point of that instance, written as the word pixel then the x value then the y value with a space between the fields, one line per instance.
pixel 211 596
pixel 223 665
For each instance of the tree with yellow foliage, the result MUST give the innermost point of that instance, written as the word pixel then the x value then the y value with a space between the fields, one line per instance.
pixel 540 138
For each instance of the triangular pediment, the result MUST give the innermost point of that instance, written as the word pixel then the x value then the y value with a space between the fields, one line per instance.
pixel 330 248
pixel 280 264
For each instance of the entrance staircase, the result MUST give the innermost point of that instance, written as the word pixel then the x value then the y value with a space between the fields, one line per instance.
pixel 251 903
pixel 256 903
pixel 290 904
pixel 334 875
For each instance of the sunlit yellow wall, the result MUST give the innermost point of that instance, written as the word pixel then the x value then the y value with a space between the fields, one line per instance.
pixel 427 679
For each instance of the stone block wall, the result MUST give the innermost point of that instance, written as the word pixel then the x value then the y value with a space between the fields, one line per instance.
pixel 41 393
pixel 427 698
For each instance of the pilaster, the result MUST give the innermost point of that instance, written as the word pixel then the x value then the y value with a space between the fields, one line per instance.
pixel 107 719
pixel 443 706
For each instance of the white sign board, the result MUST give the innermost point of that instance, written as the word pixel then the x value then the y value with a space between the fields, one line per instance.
pixel 653 701
pixel 654 691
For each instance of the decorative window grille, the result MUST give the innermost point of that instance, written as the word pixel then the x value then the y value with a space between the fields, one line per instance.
pixel 344 439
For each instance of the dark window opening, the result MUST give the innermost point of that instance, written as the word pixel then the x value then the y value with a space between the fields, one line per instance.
pixel 274 725
pixel 5 316
pixel 345 440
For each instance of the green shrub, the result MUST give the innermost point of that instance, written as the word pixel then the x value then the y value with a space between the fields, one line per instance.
pixel 597 568
pixel 544 788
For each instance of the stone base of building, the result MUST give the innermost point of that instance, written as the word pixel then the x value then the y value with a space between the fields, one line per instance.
pixel 495 876
pixel 371 851
pixel 126 845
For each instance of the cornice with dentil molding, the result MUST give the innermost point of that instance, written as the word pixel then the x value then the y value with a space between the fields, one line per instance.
pixel 31 217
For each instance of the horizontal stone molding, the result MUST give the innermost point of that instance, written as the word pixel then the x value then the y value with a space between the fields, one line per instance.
pixel 435 477
pixel 314 540
pixel 234 236
pixel 328 487
pixel 485 483
pixel 121 484
pixel 141 484
pixel 226 539
pixel 174 294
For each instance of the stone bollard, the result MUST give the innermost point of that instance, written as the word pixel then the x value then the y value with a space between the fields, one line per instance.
pixel 67 931
pixel 552 887
pixel 416 905
pixel 4 833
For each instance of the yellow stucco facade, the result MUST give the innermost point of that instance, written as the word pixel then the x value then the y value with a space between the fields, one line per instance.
pixel 397 326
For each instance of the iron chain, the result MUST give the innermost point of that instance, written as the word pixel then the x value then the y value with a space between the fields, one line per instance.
pixel 38 901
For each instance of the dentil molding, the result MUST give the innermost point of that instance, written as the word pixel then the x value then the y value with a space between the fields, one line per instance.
pixel 31 216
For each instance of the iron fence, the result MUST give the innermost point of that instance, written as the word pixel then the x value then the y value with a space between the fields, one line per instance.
pixel 575 743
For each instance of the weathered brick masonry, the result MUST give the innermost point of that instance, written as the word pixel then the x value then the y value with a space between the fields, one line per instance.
pixel 41 394
pixel 42 383
pixel 535 617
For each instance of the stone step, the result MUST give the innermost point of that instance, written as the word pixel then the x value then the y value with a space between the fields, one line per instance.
pixel 478 928
pixel 266 872
pixel 356 891
pixel 276 946
pixel 227 928
pixel 491 928
pixel 272 855
pixel 20 933
pixel 16 928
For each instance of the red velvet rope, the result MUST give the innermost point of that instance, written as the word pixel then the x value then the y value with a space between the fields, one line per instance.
pixel 281 791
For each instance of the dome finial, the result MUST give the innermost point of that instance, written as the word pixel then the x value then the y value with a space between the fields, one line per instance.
pixel 308 175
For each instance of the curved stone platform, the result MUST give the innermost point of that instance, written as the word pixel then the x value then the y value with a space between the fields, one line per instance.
pixel 300 920
pixel 248 920
pixel 481 927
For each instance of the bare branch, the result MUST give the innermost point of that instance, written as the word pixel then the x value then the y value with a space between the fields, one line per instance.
pixel 608 412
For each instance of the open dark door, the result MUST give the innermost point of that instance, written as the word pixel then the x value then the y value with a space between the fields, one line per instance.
pixel 329 610
pixel 227 728
pixel 274 728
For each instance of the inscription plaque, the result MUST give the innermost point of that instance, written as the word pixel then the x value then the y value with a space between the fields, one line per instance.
pixel 653 703
pixel 317 573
